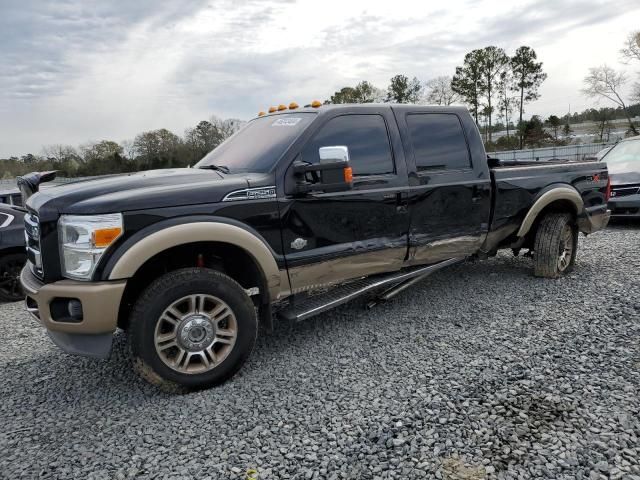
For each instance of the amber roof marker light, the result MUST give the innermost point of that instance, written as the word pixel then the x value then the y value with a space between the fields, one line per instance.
pixel 293 106
pixel 261 114
pixel 281 107
pixel 272 109
pixel 316 104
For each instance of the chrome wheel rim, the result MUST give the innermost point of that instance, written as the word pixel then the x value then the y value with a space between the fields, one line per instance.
pixel 565 248
pixel 195 333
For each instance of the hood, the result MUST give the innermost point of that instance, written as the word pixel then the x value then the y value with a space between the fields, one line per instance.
pixel 624 173
pixel 142 190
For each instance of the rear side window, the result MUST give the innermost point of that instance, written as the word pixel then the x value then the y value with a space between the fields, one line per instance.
pixel 438 141
pixel 365 136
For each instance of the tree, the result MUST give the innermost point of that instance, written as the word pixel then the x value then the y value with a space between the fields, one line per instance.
pixel 506 101
pixel 365 92
pixel 533 133
pixel 467 81
pixel 567 130
pixel 631 49
pixel 403 90
pixel 201 139
pixel 605 82
pixel 554 122
pixel 101 158
pixel 493 61
pixel 158 149
pixel 440 92
pixel 344 95
pixel 603 123
pixel 528 76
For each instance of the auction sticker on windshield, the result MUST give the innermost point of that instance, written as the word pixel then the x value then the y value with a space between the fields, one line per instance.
pixel 286 122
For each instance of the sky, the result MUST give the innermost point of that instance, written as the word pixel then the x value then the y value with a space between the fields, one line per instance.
pixel 76 71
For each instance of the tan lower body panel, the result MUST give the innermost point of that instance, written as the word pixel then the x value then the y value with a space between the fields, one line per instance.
pixel 100 303
pixel 330 272
pixel 440 250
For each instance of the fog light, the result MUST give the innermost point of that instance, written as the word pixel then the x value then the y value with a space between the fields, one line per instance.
pixel 75 309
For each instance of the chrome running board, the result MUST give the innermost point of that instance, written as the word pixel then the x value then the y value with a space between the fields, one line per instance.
pixel 316 304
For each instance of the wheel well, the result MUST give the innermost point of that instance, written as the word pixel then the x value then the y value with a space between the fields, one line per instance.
pixel 224 257
pixel 557 206
pixel 11 250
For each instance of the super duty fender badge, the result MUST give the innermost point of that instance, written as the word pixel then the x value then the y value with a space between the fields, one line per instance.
pixel 251 194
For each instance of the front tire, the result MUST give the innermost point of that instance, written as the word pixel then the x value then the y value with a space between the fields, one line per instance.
pixel 556 245
pixel 192 328
pixel 10 267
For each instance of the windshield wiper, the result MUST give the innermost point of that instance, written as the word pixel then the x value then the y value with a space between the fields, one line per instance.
pixel 220 168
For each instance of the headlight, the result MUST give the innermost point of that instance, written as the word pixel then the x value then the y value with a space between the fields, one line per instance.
pixel 83 239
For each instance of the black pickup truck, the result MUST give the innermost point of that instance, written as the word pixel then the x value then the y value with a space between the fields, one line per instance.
pixel 299 211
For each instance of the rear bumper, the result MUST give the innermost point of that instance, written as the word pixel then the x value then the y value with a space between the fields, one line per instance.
pixel 594 219
pixel 628 206
pixel 88 335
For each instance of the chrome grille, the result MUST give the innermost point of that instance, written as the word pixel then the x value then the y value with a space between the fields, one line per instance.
pixel 32 242
pixel 624 190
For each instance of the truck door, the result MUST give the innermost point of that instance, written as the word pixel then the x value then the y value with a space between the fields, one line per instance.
pixel 450 197
pixel 332 237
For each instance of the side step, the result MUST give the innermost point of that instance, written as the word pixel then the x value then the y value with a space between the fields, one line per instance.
pixel 338 295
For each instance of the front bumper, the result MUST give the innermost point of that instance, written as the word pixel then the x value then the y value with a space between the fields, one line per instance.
pixel 89 335
pixel 627 206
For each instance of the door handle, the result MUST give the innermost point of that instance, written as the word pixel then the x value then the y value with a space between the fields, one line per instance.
pixel 402 203
pixel 476 194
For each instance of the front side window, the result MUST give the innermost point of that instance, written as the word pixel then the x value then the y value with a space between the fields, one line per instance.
pixel 438 141
pixel 366 137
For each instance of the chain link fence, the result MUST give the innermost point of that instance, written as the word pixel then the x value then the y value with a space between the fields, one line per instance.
pixel 586 151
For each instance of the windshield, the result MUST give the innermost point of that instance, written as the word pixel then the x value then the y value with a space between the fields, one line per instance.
pixel 259 144
pixel 624 157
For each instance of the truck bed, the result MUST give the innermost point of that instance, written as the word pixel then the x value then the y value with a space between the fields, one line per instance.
pixel 517 185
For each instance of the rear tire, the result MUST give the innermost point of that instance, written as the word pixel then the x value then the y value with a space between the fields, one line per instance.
pixel 191 329
pixel 556 245
pixel 10 267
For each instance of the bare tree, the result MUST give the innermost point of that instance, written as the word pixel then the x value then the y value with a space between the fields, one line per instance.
pixel 439 91
pixel 631 49
pixel 129 149
pixel 605 82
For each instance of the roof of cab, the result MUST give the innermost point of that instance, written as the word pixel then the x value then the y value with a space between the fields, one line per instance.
pixel 356 106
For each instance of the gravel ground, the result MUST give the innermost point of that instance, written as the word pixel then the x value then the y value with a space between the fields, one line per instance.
pixel 483 371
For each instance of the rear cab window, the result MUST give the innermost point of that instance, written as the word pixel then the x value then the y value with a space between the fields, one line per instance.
pixel 438 142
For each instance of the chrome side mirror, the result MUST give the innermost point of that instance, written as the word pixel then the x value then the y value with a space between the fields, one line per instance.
pixel 338 153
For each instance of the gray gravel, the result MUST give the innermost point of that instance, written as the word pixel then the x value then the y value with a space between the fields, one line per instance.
pixel 483 371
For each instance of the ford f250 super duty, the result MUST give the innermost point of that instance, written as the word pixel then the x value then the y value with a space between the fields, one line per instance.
pixel 299 211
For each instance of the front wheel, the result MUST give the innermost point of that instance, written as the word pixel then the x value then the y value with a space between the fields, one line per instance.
pixel 192 328
pixel 10 267
pixel 556 245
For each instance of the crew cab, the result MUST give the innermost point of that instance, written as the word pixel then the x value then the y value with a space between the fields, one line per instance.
pixel 299 211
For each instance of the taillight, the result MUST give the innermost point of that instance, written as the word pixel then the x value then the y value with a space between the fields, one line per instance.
pixel 607 193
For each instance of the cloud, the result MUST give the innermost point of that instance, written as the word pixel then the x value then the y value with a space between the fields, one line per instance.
pixel 76 70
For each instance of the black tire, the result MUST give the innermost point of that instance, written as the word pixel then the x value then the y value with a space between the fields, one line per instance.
pixel 10 267
pixel 165 292
pixel 556 245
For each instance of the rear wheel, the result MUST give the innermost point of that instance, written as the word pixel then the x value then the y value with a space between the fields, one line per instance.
pixel 10 267
pixel 556 245
pixel 192 328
